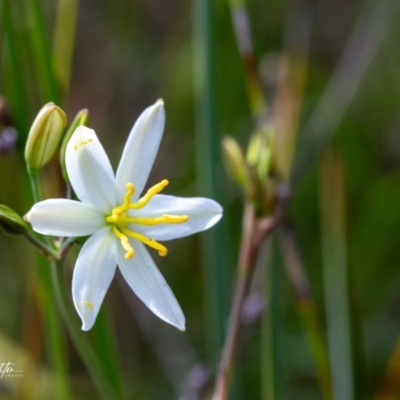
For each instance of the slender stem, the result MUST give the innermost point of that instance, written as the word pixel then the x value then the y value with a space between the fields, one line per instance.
pixel 60 292
pixel 81 342
pixel 64 246
pixel 47 250
pixel 254 232
pixel 54 330
pixel 35 187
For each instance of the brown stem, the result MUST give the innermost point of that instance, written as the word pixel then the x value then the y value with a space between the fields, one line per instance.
pixel 254 231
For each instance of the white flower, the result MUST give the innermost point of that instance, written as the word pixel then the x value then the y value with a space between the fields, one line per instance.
pixel 120 223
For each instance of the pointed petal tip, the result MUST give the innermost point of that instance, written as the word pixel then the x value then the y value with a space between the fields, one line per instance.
pixel 160 102
pixel 182 328
pixel 86 325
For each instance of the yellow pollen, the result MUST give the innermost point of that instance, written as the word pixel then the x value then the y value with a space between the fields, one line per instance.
pixel 89 305
pixel 81 143
pixel 119 219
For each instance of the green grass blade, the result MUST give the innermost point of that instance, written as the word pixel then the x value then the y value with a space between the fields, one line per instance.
pixel 64 36
pixel 106 349
pixel 41 52
pixel 13 77
pixel 336 289
pixel 208 147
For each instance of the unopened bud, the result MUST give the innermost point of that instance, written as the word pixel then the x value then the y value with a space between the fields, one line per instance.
pixel 259 152
pixel 44 137
pixel 82 118
pixel 234 161
pixel 11 222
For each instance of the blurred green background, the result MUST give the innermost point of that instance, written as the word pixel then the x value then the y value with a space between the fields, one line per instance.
pixel 115 58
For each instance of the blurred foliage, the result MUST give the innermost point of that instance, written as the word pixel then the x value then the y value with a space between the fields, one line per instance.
pixel 126 55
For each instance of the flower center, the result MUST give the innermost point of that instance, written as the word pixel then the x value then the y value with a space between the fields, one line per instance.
pixel 120 219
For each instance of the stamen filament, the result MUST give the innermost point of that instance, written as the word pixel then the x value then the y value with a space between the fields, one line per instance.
pixel 127 198
pixel 124 242
pixel 164 219
pixel 149 194
pixel 120 219
pixel 162 250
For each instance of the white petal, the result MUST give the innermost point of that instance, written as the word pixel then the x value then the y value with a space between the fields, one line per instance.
pixel 89 170
pixel 62 217
pixel 203 214
pixel 146 281
pixel 141 149
pixel 93 273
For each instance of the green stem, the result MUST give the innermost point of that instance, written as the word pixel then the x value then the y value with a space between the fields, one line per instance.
pixel 56 339
pixel 55 284
pixel 254 231
pixel 81 342
pixel 47 250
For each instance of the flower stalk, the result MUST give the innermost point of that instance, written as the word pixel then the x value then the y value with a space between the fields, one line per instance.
pixel 55 284
pixel 255 230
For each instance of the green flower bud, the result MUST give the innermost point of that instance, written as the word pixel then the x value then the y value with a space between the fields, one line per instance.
pixel 82 118
pixel 234 161
pixel 259 152
pixel 44 137
pixel 11 222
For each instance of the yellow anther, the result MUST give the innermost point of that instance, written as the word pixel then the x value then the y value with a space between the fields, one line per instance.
pixel 120 219
pixel 162 250
pixel 124 242
pixel 164 219
pixel 149 194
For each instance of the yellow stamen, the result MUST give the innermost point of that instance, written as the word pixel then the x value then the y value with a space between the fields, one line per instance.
pixel 162 250
pixel 127 198
pixel 119 219
pixel 124 242
pixel 164 219
pixel 149 194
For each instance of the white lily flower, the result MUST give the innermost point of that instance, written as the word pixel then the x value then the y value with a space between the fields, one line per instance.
pixel 120 223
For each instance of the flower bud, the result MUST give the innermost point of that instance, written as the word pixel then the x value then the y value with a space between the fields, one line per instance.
pixel 44 137
pixel 259 152
pixel 11 222
pixel 82 118
pixel 234 161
